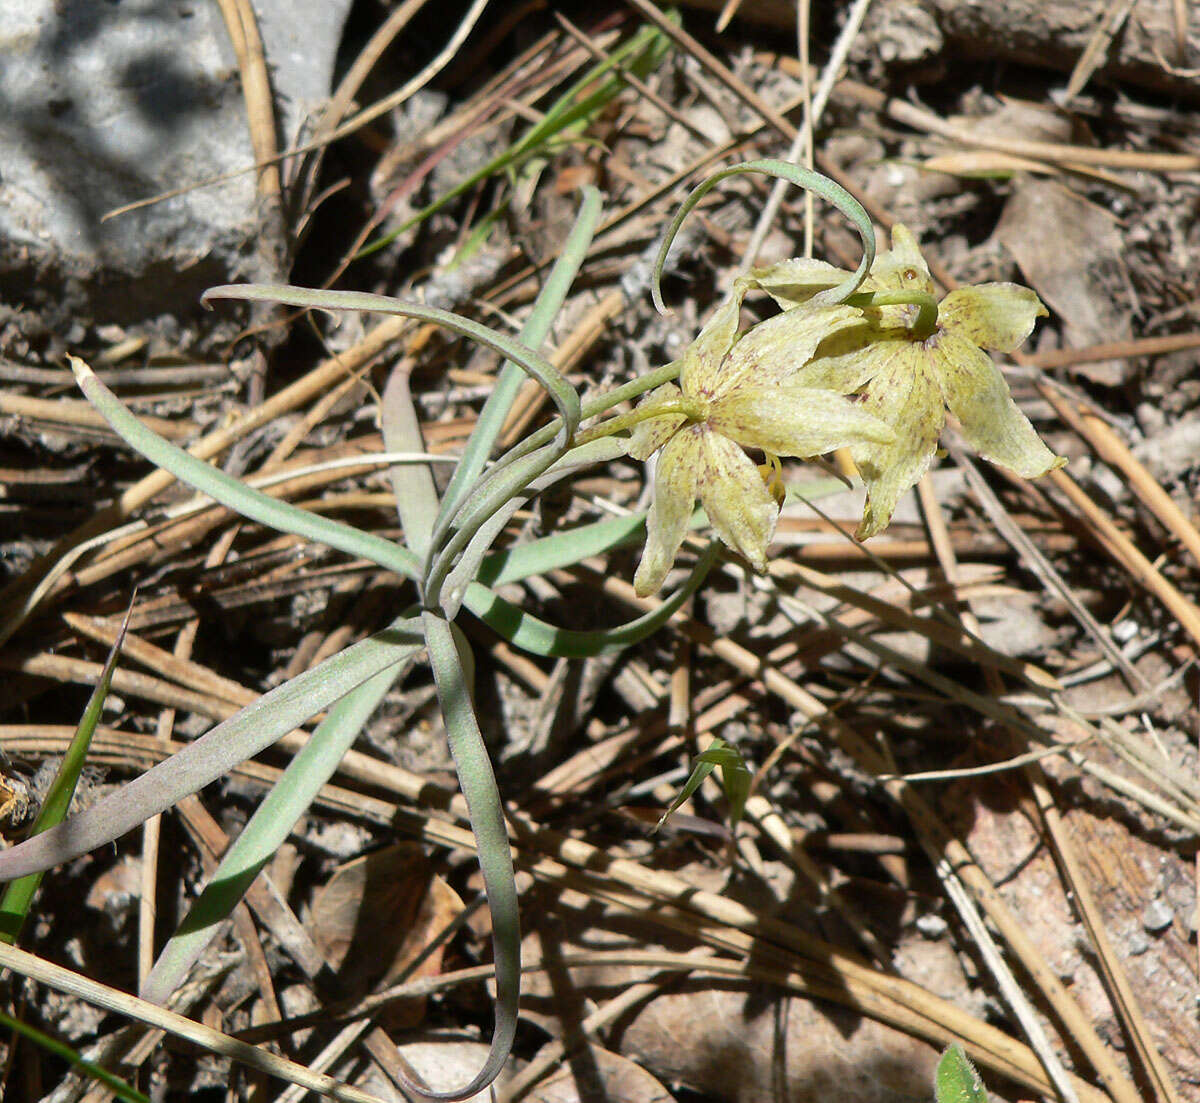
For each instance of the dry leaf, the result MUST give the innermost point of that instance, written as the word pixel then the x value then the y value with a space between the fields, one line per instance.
pixel 594 1073
pixel 1069 252
pixel 377 914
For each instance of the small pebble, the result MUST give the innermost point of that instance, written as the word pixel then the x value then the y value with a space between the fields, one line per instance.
pixel 931 926
pixel 1158 916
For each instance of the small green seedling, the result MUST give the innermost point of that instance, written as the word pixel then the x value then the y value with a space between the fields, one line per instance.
pixel 735 780
pixel 956 1081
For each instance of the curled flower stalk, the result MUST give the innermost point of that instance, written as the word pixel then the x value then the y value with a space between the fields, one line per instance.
pixel 736 392
pixel 907 370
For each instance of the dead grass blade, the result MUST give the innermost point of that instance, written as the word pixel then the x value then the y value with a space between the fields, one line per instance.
pixel 1114 452
pixel 1111 969
pixel 1123 551
pixel 120 1003
pixel 719 70
pixel 1111 20
pixel 1054 152
pixel 1113 350
pixel 1043 568
pixel 1077 889
pixel 242 27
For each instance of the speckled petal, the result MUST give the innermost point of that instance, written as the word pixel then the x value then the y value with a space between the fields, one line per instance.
pixel 675 481
pixel 978 396
pixel 794 420
pixel 740 508
pixel 780 346
pixel 991 315
pixel 650 435
pixel 795 281
pixel 849 359
pixel 702 361
pixel 905 395
pixel 901 268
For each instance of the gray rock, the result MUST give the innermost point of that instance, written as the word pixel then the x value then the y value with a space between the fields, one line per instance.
pixel 1158 916
pixel 106 103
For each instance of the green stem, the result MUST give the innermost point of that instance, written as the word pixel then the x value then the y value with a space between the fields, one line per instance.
pixel 927 306
pixel 591 408
pixel 803 178
pixel 489 496
pixel 498 484
pixel 675 407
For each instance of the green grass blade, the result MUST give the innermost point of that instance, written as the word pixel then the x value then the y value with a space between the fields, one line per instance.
pixel 561 393
pixel 230 492
pixel 648 47
pixel 478 784
pixel 495 410
pixel 534 635
pixel 802 178
pixel 416 496
pixel 18 894
pixel 215 753
pixel 561 549
pixel 89 1068
pixel 570 546
pixel 272 822
pixel 735 779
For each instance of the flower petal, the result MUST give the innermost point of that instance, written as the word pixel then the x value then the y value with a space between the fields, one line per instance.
pixel 991 315
pixel 795 281
pixel 650 435
pixel 850 358
pixel 790 419
pixel 780 346
pixel 901 268
pixel 978 396
pixel 679 468
pixel 702 361
pixel 740 508
pixel 905 394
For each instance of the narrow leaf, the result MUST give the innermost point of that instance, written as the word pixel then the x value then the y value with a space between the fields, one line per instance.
pixel 18 895
pixel 561 549
pixel 230 492
pixel 803 178
pixel 416 496
pixel 63 1051
pixel 490 527
pixel 531 634
pixel 272 822
pixel 478 784
pixel 561 393
pixel 214 754
pixel 537 327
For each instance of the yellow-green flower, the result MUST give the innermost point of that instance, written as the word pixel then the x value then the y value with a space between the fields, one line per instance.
pixel 754 391
pixel 908 378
